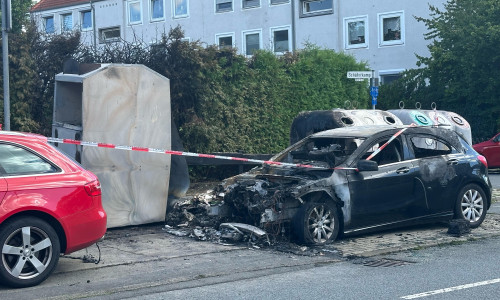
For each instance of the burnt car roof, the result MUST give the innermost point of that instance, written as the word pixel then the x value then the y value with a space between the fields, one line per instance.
pixel 443 132
pixel 356 131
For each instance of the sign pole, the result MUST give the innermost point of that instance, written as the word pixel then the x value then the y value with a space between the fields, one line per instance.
pixel 374 89
pixel 6 26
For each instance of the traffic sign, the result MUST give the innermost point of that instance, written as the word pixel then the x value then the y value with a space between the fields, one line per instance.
pixel 374 91
pixel 359 74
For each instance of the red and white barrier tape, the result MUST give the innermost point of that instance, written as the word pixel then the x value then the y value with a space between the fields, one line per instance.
pixel 180 153
pixel 389 141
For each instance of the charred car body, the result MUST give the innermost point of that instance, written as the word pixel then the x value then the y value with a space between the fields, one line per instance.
pixel 362 178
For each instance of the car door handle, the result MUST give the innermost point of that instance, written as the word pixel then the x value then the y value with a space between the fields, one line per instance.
pixel 453 162
pixel 403 170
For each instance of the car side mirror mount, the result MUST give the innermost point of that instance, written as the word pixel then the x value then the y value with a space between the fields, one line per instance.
pixel 367 165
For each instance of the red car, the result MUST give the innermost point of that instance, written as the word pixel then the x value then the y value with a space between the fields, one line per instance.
pixel 491 150
pixel 49 205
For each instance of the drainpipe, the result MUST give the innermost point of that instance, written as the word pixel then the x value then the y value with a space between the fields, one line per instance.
pixel 340 28
pixel 294 35
pixel 94 25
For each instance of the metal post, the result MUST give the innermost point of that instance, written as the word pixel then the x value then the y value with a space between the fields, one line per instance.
pixel 372 84
pixel 6 15
pixel 93 25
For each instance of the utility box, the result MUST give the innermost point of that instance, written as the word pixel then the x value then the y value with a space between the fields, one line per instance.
pixel 122 105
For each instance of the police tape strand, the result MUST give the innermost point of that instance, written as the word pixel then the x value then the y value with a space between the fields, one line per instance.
pixel 191 154
pixel 181 153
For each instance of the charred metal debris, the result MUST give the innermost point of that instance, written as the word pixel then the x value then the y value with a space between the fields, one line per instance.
pixel 256 209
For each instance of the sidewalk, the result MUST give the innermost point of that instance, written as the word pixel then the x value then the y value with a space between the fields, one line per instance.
pixel 148 243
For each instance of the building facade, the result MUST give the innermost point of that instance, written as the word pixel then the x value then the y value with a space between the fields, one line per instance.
pixel 383 33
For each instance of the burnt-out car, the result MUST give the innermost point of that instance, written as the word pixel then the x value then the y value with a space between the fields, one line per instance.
pixel 362 178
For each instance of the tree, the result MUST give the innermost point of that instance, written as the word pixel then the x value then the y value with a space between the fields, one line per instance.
pixel 20 17
pixel 464 63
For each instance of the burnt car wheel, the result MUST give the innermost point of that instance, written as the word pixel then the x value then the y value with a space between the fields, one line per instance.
pixel 30 251
pixel 317 223
pixel 471 205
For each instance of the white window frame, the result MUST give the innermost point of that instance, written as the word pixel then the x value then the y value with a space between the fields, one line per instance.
pixel 223 11
pixel 62 21
pixel 272 30
pixel 244 40
pixel 129 3
pixel 91 20
pixel 110 40
pixel 382 73
pixel 249 7
pixel 44 18
pixel 226 34
pixel 280 2
pixel 151 18
pixel 380 18
pixel 346 32
pixel 183 15
pixel 304 13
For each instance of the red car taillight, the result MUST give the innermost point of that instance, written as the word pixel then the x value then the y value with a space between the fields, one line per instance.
pixel 93 188
pixel 483 160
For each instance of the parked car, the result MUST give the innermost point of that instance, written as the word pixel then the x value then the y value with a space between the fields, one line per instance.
pixel 49 205
pixel 356 179
pixel 491 150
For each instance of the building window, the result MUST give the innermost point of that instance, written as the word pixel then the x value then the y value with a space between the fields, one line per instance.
pixel 389 76
pixel 278 1
pixel 280 39
pixel 134 12
pixel 224 40
pixel 391 29
pixel 223 5
pixel 356 32
pixel 181 8
pixel 48 22
pixel 86 20
pixel 251 41
pixel 316 7
pixel 66 22
pixel 108 35
pixel 157 11
pixel 250 3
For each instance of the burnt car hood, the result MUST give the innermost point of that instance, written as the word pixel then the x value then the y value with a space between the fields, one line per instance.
pixel 269 187
pixel 283 175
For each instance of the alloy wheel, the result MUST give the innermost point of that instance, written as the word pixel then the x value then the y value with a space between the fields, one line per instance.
pixel 321 224
pixel 472 205
pixel 27 252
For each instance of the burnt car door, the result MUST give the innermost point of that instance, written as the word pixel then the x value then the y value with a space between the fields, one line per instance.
pixel 440 167
pixel 389 195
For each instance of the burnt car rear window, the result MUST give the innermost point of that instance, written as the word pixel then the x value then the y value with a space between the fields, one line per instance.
pixel 15 160
pixel 427 146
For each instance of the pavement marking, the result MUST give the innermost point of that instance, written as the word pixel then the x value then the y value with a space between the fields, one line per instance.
pixel 451 289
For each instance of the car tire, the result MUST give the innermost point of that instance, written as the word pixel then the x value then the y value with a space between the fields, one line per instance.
pixel 471 205
pixel 30 251
pixel 317 223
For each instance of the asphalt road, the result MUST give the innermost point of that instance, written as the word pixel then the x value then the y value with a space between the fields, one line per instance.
pixel 495 178
pixel 465 271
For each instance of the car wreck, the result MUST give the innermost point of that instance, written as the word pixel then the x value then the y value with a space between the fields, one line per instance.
pixel 362 178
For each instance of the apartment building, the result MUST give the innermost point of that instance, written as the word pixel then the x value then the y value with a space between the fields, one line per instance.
pixel 382 32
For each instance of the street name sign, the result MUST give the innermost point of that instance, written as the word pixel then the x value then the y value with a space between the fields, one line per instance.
pixel 359 74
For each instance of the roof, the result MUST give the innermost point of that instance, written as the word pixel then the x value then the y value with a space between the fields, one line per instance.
pixel 52 4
